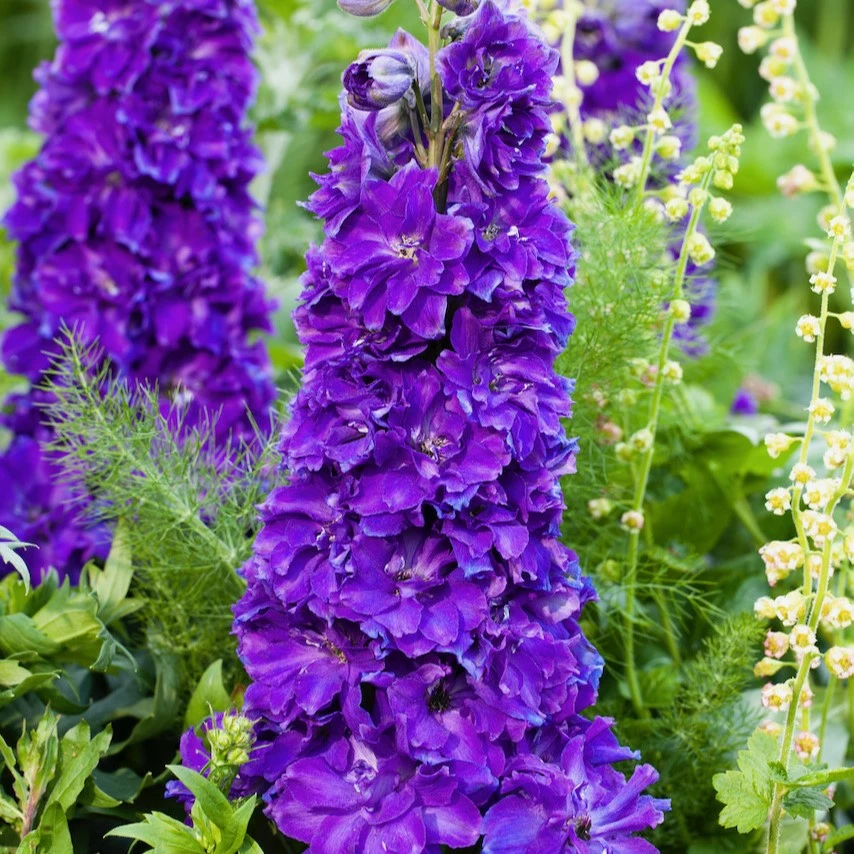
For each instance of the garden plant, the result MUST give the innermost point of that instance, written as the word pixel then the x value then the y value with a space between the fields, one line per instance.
pixel 427 426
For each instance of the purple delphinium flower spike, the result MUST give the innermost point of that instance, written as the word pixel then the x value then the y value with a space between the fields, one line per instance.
pixel 410 624
pixel 136 228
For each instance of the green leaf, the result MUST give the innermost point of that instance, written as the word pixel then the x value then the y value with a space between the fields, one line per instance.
pixel 163 710
pixel 122 784
pixel 841 834
pixel 746 793
pixel 54 835
pixel 111 584
pixel 210 694
pixel 11 673
pixel 804 802
pixel 824 778
pixel 239 823
pixel 19 636
pixel 209 798
pixel 79 756
pixel 164 834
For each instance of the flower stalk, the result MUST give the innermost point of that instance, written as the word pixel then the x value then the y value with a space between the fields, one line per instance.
pixel 812 525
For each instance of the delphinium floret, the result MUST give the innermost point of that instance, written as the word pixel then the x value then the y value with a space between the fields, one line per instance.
pixel 410 626
pixel 135 227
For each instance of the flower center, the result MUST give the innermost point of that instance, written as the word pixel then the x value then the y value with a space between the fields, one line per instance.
pixel 439 699
pixel 407 246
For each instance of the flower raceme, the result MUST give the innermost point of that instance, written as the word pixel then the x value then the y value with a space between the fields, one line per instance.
pixel 410 625
pixel 136 227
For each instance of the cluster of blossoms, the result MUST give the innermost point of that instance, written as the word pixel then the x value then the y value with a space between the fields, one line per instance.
pixel 410 624
pixel 810 613
pixel 628 95
pixel 218 750
pixel 136 228
pixel 791 110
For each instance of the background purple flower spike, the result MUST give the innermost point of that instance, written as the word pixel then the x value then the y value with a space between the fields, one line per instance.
pixel 135 227
pixel 617 36
pixel 410 624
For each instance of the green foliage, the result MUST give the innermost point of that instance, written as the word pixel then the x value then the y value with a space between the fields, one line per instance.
pixel 189 519
pixel 52 778
pixel 219 826
pixel 746 793
pixel 694 663
pixel 209 696
pixel 45 630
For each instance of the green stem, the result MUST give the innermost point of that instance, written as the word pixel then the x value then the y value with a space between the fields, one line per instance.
pixel 573 110
pixel 642 480
pixel 660 87
pixel 775 828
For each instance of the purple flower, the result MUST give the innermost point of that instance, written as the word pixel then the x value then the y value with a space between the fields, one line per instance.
pixel 136 228
pixel 460 7
pixel 378 79
pixel 411 620
pixel 397 255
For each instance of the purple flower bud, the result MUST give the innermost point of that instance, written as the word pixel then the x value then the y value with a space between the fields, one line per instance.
pixel 365 8
pixel 460 7
pixel 378 79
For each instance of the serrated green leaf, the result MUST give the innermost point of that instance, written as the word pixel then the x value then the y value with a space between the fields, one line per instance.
pixel 824 778
pixel 746 793
pixel 210 694
pixel 745 809
pixel 804 802
pixel 79 756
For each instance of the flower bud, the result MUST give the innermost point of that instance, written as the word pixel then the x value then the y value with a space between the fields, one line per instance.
pixel 459 7
pixel 669 20
pixel 720 209
pixel 378 79
pixel 669 147
pixel 365 8
pixel 709 53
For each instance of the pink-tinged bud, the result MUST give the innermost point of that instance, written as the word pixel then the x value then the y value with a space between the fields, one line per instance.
pixel 365 8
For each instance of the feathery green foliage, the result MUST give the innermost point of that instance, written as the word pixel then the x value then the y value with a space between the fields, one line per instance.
pixel 190 518
pixel 693 663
